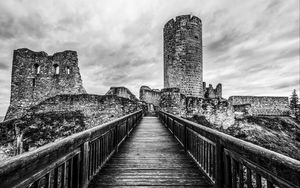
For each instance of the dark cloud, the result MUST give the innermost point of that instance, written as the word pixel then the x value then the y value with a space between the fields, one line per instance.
pixel 28 26
pixel 288 84
pixel 3 66
pixel 247 45
pixel 225 42
pixel 290 53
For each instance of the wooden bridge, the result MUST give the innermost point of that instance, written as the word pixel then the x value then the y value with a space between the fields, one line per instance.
pixel 150 151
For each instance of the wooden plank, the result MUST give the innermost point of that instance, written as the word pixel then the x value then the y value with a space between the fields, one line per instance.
pixel 249 178
pixel 234 173
pixel 48 180
pixel 16 171
pixel 64 174
pixel 219 166
pixel 228 174
pixel 55 181
pixel 70 173
pixel 241 175
pixel 258 181
pixel 151 157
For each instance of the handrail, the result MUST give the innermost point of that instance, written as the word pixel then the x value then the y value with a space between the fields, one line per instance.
pixel 70 162
pixel 229 161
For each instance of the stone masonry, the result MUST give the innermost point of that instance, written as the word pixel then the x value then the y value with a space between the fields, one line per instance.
pixel 122 92
pixel 183 55
pixel 150 96
pixel 37 76
pixel 260 105
pixel 211 93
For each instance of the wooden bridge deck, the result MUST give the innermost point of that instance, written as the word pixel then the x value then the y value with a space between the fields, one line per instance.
pixel 150 157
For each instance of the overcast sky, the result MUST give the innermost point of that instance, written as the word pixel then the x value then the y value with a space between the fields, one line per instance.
pixel 251 47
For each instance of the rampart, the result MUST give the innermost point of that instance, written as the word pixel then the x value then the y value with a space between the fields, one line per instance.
pixel 261 105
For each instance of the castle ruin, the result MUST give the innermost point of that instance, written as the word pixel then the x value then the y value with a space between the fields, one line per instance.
pixel 37 76
pixel 183 67
pixel 122 92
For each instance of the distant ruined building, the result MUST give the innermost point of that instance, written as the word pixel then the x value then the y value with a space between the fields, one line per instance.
pixel 122 92
pixel 260 105
pixel 183 58
pixel 37 76
pixel 184 91
pixel 48 99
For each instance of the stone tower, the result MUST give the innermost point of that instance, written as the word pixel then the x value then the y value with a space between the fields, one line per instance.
pixel 183 55
pixel 37 76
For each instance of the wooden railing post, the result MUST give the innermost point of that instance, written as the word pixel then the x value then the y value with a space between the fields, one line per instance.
pixel 127 128
pixel 173 125
pixel 85 165
pixel 185 137
pixel 117 137
pixel 219 166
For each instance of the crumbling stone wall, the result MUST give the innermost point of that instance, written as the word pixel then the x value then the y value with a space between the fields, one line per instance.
pixel 34 130
pixel 183 55
pixel 37 76
pixel 212 93
pixel 150 96
pixel 96 108
pixel 172 101
pixel 122 92
pixel 261 105
pixel 61 116
pixel 193 106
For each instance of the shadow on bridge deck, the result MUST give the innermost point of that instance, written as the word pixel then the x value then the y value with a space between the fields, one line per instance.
pixel 150 157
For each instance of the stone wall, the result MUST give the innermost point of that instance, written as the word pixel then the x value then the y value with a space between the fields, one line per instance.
pixel 122 92
pixel 150 96
pixel 37 76
pixel 34 130
pixel 98 108
pixel 212 93
pixel 261 105
pixel 172 101
pixel 61 116
pixel 193 106
pixel 183 55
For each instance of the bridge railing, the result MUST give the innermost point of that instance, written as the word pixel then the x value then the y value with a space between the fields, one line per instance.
pixel 71 162
pixel 231 162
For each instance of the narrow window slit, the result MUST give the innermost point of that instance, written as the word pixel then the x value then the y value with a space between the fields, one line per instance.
pixel 56 69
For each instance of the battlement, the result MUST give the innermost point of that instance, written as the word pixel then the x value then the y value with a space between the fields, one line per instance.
pixel 183 59
pixel 27 53
pixel 212 93
pixel 179 20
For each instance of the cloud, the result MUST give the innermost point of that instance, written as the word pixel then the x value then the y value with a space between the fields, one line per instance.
pixel 251 47
pixel 3 66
